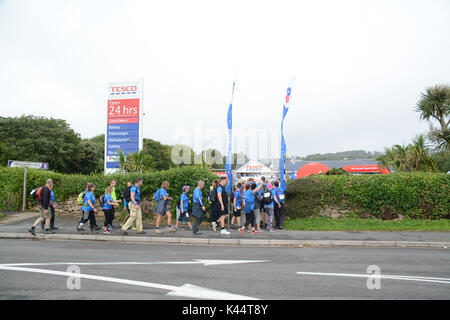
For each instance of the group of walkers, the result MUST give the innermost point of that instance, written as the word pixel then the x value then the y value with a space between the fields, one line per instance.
pixel 258 200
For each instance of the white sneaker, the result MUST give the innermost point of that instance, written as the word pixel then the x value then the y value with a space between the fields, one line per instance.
pixel 223 231
pixel 214 225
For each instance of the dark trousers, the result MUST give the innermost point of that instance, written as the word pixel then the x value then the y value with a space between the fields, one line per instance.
pixel 279 216
pixel 250 219
pixel 89 215
pixel 52 218
pixel 109 217
pixel 198 221
pixel 215 211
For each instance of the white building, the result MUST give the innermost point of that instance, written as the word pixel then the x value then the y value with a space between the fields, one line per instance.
pixel 253 169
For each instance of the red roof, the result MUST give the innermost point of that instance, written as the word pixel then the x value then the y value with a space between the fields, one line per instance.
pixel 312 168
pixel 365 168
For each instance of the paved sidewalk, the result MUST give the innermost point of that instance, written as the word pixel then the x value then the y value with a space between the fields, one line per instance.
pixel 17 229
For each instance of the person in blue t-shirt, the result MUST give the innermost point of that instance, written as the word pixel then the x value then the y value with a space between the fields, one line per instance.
pixel 198 207
pixel 162 198
pixel 237 206
pixel 88 209
pixel 184 208
pixel 278 205
pixel 249 206
pixel 108 204
pixel 135 208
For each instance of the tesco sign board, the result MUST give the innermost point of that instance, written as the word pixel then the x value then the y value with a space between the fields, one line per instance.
pixel 123 121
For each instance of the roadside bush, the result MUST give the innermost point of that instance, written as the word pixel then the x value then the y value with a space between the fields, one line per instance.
pixel 11 183
pixel 416 195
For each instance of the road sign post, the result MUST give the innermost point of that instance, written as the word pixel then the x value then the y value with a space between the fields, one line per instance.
pixel 26 165
pixel 24 197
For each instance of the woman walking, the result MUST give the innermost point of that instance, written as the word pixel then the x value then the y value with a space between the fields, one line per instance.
pixel 162 198
pixel 108 209
pixel 88 209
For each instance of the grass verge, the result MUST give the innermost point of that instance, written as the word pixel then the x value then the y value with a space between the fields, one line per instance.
pixel 359 224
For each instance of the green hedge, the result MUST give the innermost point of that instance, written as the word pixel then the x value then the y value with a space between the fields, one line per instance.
pixel 11 183
pixel 416 195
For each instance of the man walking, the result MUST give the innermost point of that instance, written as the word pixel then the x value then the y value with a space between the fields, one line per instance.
pixel 222 198
pixel 135 208
pixel 279 205
pixel 44 203
pixel 52 206
pixel 198 208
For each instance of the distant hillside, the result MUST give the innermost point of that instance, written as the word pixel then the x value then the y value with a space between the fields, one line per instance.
pixel 344 155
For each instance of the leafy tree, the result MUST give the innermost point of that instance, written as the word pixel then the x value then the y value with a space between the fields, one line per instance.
pixel 41 139
pixel 160 153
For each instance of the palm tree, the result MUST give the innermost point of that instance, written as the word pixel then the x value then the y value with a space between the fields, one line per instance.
pixel 420 155
pixel 434 104
pixel 122 160
pixel 140 161
pixel 413 157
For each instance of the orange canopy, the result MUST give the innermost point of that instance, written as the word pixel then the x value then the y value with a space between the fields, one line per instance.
pixel 312 168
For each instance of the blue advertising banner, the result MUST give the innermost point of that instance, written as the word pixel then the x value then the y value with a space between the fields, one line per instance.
pixel 228 164
pixel 286 105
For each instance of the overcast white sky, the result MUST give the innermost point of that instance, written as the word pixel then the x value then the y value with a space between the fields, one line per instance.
pixel 360 65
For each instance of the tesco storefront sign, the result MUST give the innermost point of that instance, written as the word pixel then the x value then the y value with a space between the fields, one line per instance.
pixel 124 121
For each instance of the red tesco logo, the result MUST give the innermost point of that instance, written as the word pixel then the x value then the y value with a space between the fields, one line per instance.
pixel 123 89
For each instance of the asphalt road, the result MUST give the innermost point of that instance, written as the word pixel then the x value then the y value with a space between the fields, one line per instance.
pixel 274 277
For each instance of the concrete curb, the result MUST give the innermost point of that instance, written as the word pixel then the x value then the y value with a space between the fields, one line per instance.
pixel 228 241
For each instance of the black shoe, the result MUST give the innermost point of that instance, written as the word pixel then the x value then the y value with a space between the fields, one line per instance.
pixel 32 231
pixel 124 233
pixel 54 228
pixel 97 228
pixel 49 232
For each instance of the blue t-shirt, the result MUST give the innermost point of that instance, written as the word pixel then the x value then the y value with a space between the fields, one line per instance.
pixel 237 196
pixel 249 199
pixel 137 193
pixel 279 193
pixel 185 200
pixel 88 196
pixel 106 205
pixel 52 195
pixel 198 196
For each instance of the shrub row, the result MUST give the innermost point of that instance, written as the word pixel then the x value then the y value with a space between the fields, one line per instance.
pixel 11 183
pixel 416 195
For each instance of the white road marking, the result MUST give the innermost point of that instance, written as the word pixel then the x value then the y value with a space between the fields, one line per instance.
pixel 186 290
pixel 391 277
pixel 195 261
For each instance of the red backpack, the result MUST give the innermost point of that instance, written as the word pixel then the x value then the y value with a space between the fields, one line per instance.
pixel 36 193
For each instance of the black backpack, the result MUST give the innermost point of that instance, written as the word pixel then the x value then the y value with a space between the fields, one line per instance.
pixel 267 197
pixel 126 194
pixel 213 195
